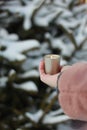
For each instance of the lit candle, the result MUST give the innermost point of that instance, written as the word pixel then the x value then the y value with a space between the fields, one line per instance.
pixel 52 63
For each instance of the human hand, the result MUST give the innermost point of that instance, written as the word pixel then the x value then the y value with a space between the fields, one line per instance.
pixel 50 80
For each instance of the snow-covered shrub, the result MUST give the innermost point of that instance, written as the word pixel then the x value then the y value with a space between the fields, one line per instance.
pixel 29 29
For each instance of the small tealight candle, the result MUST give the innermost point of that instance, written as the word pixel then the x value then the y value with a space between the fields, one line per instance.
pixel 52 63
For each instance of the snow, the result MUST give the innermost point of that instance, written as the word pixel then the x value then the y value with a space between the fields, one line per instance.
pixel 28 125
pixel 6 36
pixel 21 117
pixel 3 15
pixel 3 33
pixel 54 114
pixel 80 9
pixel 3 81
pixel 57 112
pixel 72 23
pixel 41 13
pixel 63 62
pixel 25 11
pixel 11 3
pixel 52 95
pixel 1 2
pixel 65 14
pixel 32 73
pixel 19 47
pixel 27 86
pixel 50 118
pixel 12 72
pixel 60 3
pixel 19 129
pixel 54 120
pixel 85 46
pixel 36 116
pixel 65 46
pixel 38 53
pixel 32 62
pixel 45 19
pixel 81 53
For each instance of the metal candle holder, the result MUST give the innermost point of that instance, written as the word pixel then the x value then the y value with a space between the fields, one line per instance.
pixel 52 63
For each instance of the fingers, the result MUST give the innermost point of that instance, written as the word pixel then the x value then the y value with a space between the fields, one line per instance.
pixel 50 80
pixel 43 76
pixel 41 68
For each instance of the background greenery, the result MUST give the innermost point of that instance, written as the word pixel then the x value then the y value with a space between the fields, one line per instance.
pixel 29 29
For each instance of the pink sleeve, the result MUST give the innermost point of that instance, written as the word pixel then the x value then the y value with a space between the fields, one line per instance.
pixel 73 91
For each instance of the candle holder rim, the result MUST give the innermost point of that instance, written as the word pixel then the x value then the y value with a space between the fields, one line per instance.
pixel 48 55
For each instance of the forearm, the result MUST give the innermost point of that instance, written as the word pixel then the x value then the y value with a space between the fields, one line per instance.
pixel 72 87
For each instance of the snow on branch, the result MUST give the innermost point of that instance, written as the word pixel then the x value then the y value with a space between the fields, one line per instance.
pixel 14 49
pixel 80 9
pixel 31 73
pixel 27 86
pixel 46 15
pixel 3 81
pixel 48 119
pixel 34 117
pixel 24 11
pixel 51 118
pixel 56 112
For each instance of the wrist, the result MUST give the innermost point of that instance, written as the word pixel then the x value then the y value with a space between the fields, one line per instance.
pixel 58 77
